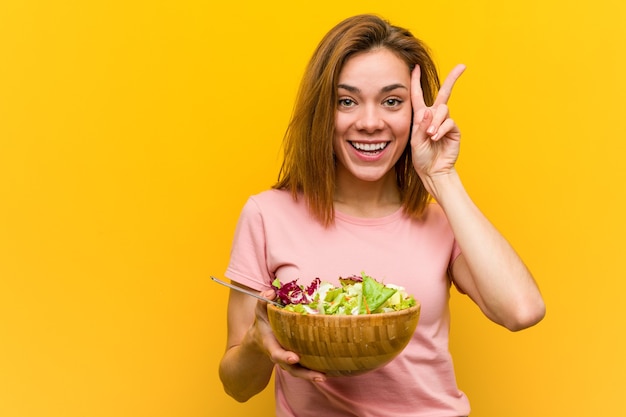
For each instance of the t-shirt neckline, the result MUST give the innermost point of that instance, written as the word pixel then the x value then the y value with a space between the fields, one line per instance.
pixel 370 221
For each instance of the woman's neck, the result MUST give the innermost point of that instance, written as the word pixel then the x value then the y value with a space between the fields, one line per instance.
pixel 369 199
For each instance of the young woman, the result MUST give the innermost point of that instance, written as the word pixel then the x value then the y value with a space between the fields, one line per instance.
pixel 368 184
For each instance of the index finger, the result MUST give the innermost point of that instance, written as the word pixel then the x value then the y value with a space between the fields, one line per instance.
pixel 446 89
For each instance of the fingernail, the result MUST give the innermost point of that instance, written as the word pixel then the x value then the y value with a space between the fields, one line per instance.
pixel 318 379
pixel 431 130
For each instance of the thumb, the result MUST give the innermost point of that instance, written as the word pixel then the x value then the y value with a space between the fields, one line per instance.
pixel 269 294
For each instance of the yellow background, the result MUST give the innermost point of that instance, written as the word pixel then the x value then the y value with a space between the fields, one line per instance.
pixel 131 133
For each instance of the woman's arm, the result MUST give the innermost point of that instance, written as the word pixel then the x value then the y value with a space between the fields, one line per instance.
pixel 245 369
pixel 252 350
pixel 488 270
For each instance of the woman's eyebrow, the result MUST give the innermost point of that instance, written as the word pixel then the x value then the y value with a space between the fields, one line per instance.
pixel 393 87
pixel 385 89
pixel 349 88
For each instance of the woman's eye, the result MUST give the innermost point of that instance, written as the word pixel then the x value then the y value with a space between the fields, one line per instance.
pixel 346 102
pixel 392 102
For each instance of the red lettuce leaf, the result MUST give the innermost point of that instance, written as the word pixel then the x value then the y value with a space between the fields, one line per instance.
pixel 292 293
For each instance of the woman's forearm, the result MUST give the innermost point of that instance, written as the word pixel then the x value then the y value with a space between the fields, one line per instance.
pixel 245 371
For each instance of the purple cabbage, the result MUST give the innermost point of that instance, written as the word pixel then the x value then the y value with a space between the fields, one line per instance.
pixel 292 293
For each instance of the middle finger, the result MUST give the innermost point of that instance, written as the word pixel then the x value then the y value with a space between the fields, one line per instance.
pixel 440 114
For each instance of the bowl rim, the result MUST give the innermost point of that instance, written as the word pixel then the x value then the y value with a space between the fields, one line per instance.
pixel 404 311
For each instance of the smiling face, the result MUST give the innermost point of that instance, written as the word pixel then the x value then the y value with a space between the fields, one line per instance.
pixel 373 118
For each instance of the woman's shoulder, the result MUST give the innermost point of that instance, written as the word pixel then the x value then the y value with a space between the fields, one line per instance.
pixel 278 208
pixel 275 202
pixel 432 212
pixel 273 197
pixel 433 215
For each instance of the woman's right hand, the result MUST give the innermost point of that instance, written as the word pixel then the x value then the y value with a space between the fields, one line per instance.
pixel 252 352
pixel 265 339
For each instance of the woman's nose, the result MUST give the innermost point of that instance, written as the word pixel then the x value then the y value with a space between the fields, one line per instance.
pixel 370 119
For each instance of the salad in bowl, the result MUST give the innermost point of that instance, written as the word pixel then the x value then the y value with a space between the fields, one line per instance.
pixel 355 295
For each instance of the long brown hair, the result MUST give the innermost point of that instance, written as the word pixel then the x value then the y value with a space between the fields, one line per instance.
pixel 308 166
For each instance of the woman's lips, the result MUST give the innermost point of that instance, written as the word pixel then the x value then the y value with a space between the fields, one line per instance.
pixel 369 147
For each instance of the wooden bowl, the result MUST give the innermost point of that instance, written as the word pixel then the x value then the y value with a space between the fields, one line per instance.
pixel 341 345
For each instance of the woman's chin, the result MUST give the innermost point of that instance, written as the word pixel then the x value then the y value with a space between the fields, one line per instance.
pixel 368 175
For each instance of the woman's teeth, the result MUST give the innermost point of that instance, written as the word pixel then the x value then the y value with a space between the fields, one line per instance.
pixel 369 147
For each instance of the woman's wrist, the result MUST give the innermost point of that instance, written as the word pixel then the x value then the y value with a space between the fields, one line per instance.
pixel 442 185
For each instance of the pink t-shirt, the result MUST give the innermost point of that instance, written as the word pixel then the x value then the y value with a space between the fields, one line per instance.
pixel 277 237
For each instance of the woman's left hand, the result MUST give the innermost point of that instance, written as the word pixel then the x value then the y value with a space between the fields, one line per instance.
pixel 435 138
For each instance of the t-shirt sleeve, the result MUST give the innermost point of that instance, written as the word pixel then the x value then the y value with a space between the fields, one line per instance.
pixel 247 264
